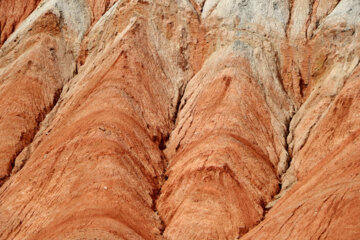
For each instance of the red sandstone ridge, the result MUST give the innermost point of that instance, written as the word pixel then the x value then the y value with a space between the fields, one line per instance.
pixel 188 119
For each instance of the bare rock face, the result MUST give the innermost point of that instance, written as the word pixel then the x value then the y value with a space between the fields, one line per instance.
pixel 186 119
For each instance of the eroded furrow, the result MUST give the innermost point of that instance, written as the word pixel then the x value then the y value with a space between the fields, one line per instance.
pixel 322 156
pixel 12 13
pixel 36 62
pixel 213 156
pixel 181 120
pixel 23 152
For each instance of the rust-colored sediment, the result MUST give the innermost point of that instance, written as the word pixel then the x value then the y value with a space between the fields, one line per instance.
pixel 12 13
pixel 140 119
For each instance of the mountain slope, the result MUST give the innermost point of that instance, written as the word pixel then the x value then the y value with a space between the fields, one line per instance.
pixel 187 119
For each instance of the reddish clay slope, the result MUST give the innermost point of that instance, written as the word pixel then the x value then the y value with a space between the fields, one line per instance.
pixel 12 13
pixel 222 167
pixel 323 141
pixel 139 119
pixel 117 168
pixel 325 202
pixel 34 68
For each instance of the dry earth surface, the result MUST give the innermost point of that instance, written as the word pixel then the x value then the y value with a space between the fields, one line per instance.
pixel 180 119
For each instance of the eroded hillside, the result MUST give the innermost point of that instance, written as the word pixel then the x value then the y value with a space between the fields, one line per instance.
pixel 186 119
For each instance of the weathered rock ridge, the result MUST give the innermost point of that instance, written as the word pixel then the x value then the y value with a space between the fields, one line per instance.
pixel 186 119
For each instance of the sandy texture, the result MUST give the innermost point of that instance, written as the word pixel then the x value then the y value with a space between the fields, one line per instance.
pixel 186 119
